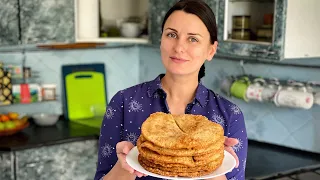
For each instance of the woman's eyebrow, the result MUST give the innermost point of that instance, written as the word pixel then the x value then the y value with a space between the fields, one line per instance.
pixel 192 34
pixel 171 29
pixel 195 34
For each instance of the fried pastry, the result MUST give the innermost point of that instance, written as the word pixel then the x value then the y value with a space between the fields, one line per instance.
pixel 178 168
pixel 180 145
pixel 180 152
pixel 180 131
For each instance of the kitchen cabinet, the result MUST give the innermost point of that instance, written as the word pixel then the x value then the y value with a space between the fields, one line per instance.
pixel 9 23
pixel 46 21
pixel 76 160
pixel 6 166
pixel 293 31
pixel 103 21
pixel 157 11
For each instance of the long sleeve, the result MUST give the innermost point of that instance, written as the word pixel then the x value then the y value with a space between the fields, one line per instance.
pixel 237 130
pixel 110 135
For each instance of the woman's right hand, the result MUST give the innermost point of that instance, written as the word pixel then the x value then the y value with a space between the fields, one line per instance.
pixel 123 149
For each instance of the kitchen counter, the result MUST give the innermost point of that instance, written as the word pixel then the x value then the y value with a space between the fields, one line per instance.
pixel 36 136
pixel 268 161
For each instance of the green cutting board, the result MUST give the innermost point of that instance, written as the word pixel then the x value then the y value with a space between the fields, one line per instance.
pixel 85 94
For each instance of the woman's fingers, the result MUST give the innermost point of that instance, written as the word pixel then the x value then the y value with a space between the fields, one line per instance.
pixel 230 141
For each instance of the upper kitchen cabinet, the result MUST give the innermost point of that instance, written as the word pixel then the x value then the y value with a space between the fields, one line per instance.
pixel 46 21
pixel 9 23
pixel 122 21
pixel 269 29
pixel 158 10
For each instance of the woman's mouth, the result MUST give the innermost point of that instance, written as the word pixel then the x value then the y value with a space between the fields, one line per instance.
pixel 177 60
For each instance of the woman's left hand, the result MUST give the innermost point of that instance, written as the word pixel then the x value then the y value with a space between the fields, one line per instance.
pixel 228 143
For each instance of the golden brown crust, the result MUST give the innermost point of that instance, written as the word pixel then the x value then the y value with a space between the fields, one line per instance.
pixel 189 161
pixel 181 131
pixel 204 157
pixel 180 145
pixel 180 168
pixel 175 174
pixel 181 152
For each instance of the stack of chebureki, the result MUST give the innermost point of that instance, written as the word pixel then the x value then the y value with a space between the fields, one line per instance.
pixel 180 145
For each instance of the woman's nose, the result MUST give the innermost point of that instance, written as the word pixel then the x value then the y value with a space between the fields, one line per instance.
pixel 180 46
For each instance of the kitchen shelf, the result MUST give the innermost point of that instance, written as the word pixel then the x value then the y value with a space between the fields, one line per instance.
pixel 31 103
pixel 251 1
pixel 115 40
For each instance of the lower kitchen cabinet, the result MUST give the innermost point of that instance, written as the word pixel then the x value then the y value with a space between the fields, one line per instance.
pixel 6 166
pixel 76 160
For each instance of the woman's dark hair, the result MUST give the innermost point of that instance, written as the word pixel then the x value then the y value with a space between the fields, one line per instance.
pixel 204 12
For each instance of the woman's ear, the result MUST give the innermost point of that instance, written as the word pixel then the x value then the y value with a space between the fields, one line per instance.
pixel 212 50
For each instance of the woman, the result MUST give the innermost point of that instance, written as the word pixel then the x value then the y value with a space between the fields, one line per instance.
pixel 189 38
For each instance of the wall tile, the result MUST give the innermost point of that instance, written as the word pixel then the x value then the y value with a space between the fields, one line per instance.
pixel 121 68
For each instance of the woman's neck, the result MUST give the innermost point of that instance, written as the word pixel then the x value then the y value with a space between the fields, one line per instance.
pixel 180 88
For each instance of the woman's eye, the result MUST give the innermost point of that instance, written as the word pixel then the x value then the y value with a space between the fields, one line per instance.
pixel 172 35
pixel 192 39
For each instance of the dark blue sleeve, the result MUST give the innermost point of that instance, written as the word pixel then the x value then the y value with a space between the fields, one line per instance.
pixel 110 135
pixel 238 130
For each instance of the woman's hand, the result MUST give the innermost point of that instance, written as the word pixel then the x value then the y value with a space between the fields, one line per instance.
pixel 228 143
pixel 123 149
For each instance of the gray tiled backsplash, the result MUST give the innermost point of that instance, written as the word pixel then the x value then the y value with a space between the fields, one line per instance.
pixel 130 65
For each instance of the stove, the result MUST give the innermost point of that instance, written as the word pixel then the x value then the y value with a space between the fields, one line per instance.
pixel 268 161
pixel 307 173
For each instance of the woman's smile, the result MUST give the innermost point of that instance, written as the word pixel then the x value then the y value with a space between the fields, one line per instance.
pixel 178 59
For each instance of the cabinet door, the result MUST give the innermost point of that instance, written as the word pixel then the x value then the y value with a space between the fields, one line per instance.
pixel 273 50
pixel 9 23
pixel 46 21
pixel 157 11
pixel 6 166
pixel 68 161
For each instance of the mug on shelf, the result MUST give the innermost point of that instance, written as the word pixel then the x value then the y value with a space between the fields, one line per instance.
pixel 272 87
pixel 294 97
pixel 239 88
pixel 254 91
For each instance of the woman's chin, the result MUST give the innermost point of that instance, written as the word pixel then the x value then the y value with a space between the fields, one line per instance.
pixel 178 73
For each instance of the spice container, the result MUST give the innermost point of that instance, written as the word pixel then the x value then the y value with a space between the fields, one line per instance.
pixel 6 89
pixel 26 72
pixel 265 33
pixel 241 34
pixel 241 22
pixel 48 92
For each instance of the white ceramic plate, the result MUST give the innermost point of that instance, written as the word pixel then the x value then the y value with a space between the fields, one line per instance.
pixel 228 164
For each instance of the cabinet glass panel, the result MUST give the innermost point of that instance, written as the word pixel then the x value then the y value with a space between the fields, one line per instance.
pixel 123 18
pixel 249 21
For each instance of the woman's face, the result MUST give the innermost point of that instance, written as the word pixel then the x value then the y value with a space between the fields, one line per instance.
pixel 185 44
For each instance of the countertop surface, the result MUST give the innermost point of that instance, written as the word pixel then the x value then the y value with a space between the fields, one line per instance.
pixel 37 136
pixel 269 161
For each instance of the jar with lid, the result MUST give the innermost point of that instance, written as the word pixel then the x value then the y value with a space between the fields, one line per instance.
pixel 48 92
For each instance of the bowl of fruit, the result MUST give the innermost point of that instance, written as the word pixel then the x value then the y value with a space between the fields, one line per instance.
pixel 11 123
